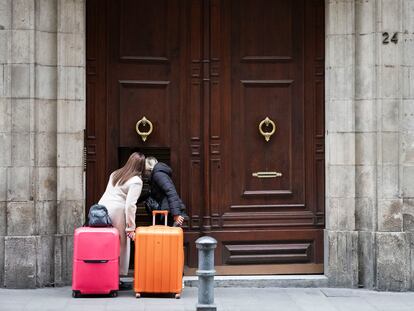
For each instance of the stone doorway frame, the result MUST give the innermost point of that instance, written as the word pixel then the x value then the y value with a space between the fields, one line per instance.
pixel 82 110
pixel 326 267
pixel 361 125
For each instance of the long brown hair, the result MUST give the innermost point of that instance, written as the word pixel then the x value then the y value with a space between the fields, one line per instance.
pixel 134 167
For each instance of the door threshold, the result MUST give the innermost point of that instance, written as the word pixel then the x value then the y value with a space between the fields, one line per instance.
pixel 274 269
pixel 263 281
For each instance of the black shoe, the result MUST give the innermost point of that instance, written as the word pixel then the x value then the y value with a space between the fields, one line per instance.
pixel 124 286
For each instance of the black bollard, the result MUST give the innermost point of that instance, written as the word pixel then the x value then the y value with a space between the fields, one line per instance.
pixel 205 272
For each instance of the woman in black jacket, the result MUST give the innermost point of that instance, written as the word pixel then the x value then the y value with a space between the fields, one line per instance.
pixel 163 191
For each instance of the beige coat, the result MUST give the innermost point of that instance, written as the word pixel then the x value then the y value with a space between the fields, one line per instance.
pixel 120 202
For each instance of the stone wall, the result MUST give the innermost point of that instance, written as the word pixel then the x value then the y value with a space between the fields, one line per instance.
pixel 369 237
pixel 370 143
pixel 42 113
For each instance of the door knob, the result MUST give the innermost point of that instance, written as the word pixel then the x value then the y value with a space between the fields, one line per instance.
pixel 268 122
pixel 144 122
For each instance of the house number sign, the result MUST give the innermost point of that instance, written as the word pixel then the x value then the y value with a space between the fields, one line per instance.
pixel 386 38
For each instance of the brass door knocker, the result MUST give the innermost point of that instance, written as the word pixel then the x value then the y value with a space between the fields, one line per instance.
pixel 144 122
pixel 267 135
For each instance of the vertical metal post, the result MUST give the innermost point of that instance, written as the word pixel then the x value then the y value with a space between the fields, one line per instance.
pixel 205 272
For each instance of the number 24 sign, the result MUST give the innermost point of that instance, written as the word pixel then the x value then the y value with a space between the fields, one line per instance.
pixel 386 38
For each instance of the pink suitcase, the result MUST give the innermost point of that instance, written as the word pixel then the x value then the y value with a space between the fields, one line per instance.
pixel 95 261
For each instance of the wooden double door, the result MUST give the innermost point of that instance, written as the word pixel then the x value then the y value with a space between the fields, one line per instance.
pixel 234 90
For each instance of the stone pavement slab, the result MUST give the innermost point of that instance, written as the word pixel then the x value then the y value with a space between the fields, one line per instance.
pixel 227 299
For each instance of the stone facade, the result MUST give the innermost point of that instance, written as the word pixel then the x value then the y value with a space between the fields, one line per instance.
pixel 369 139
pixel 42 117
pixel 369 237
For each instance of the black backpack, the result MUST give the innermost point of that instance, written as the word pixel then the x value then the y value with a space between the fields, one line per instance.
pixel 98 216
pixel 151 205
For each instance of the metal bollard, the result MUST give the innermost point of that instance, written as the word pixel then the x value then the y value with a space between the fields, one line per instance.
pixel 205 272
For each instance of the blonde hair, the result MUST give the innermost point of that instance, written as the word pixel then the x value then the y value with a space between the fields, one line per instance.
pixel 134 167
pixel 150 163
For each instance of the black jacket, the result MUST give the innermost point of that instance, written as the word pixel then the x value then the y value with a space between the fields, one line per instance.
pixel 162 189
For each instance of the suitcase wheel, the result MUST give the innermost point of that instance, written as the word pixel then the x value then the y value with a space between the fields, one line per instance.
pixel 76 294
pixel 113 293
pixel 177 296
pixel 137 295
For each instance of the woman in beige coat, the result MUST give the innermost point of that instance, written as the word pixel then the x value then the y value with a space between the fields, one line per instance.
pixel 121 194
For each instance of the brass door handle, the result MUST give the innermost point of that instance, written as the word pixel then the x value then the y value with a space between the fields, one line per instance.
pixel 144 121
pixel 267 121
pixel 267 174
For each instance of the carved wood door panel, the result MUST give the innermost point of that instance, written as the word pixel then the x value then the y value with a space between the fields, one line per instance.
pixel 206 73
pixel 145 76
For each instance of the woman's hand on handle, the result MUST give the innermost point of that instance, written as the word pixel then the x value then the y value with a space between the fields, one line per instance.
pixel 178 219
pixel 131 234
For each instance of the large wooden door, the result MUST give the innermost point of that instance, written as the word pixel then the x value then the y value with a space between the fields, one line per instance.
pixel 267 62
pixel 136 67
pixel 206 73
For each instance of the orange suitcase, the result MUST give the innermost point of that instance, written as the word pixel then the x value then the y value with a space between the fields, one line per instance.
pixel 159 258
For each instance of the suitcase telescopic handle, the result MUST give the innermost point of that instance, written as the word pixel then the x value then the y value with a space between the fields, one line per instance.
pixel 165 213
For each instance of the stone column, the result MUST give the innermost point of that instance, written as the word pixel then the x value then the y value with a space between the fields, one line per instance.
pixel 407 128
pixel 71 116
pixel 341 239
pixel 28 147
pixel 365 137
pixel 5 122
pixel 392 245
pixel 382 245
pixel 44 181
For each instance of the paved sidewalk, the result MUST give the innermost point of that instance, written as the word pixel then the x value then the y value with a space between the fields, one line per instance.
pixel 227 299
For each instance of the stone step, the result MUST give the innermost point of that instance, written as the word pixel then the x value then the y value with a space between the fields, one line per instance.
pixel 263 281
